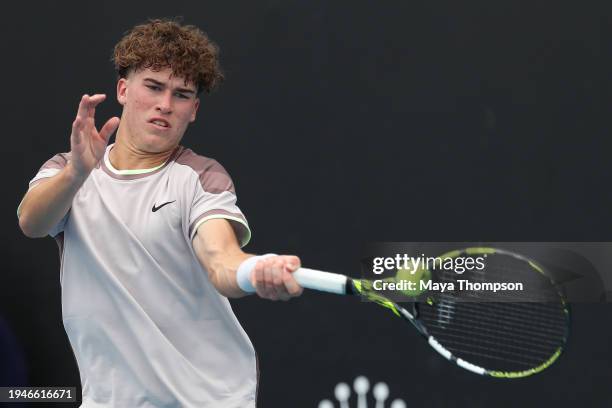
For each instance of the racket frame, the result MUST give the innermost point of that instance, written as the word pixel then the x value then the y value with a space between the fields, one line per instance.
pixel 344 285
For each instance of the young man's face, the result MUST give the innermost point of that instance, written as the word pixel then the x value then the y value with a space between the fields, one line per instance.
pixel 157 108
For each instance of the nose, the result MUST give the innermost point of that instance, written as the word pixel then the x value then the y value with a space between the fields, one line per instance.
pixel 164 103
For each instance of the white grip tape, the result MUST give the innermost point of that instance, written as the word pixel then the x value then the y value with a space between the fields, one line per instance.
pixel 307 278
pixel 321 281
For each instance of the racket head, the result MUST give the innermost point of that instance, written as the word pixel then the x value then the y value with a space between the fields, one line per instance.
pixel 496 334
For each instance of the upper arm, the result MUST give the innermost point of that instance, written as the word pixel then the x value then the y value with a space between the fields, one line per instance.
pixel 32 201
pixel 48 170
pixel 23 199
pixel 215 242
pixel 218 251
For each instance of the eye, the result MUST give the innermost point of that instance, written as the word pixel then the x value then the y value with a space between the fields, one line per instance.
pixel 154 87
pixel 182 95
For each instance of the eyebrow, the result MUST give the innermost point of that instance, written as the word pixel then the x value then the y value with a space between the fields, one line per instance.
pixel 183 90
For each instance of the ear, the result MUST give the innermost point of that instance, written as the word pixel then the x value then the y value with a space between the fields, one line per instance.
pixel 122 91
pixel 195 110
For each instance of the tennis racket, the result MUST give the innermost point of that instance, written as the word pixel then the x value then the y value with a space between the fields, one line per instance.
pixel 496 335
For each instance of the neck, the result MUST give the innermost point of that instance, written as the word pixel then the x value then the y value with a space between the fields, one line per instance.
pixel 125 155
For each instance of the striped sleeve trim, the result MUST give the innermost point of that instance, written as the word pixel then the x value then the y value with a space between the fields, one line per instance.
pixel 239 224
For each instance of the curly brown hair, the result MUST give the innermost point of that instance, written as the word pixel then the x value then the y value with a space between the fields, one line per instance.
pixel 159 44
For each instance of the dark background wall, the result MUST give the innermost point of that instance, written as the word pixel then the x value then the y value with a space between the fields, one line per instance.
pixel 344 123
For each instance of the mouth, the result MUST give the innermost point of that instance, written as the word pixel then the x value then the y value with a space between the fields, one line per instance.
pixel 160 123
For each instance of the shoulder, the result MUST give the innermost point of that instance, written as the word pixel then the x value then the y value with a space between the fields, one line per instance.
pixel 58 161
pixel 211 174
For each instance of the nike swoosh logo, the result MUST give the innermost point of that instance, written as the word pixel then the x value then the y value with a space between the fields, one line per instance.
pixel 157 208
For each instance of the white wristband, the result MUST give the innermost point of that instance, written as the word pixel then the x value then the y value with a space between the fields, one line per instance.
pixel 245 270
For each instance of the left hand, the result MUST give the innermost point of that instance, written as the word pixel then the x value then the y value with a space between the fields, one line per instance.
pixel 272 277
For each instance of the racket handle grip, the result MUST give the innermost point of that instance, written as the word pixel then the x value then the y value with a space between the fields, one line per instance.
pixel 307 278
pixel 321 281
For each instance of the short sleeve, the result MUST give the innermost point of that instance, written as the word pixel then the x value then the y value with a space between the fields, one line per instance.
pixel 49 169
pixel 214 197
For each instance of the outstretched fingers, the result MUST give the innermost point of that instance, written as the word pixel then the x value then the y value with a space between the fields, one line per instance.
pixel 87 105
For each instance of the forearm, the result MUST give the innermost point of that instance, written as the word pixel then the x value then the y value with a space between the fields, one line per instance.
pixel 222 273
pixel 46 204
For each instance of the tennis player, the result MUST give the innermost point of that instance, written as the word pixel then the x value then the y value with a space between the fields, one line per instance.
pixel 150 238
